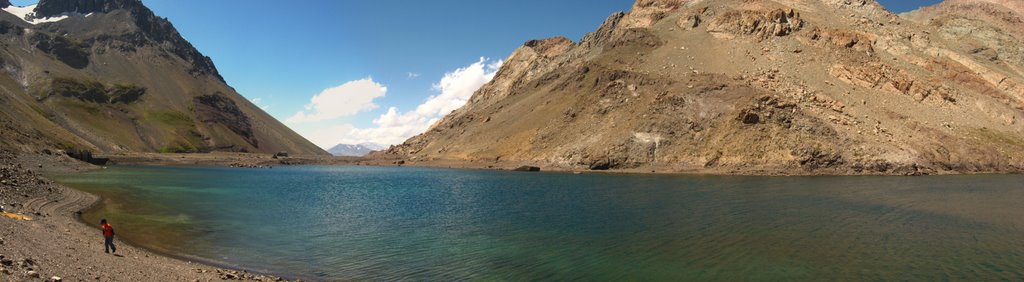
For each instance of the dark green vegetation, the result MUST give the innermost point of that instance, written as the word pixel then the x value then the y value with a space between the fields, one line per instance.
pixel 122 80
pixel 71 52
pixel 95 92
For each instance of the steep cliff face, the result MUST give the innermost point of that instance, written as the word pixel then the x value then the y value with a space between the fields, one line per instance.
pixel 785 86
pixel 111 76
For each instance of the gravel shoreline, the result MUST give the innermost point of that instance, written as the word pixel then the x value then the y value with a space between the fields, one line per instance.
pixel 55 245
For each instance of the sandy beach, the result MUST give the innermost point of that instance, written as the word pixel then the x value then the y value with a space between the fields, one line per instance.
pixel 54 245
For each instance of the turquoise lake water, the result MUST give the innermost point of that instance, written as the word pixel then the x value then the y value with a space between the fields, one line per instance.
pixel 387 223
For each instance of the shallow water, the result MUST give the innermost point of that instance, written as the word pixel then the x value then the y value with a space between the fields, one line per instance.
pixel 377 223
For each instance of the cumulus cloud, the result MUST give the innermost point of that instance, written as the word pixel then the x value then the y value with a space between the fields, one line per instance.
pixel 394 127
pixel 457 87
pixel 344 100
pixel 259 103
pixel 454 89
pixel 329 136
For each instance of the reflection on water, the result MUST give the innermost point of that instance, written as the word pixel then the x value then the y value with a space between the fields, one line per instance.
pixel 383 223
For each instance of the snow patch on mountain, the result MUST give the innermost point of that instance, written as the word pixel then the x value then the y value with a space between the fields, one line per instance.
pixel 28 14
pixel 357 150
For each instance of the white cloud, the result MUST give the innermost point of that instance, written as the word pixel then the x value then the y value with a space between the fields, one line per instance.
pixel 457 87
pixel 329 136
pixel 394 127
pixel 258 101
pixel 340 101
pixel 413 75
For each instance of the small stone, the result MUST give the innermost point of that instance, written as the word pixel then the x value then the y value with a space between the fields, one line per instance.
pixel 32 274
pixel 56 279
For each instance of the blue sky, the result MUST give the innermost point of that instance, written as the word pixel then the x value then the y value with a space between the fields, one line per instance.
pixel 285 52
pixel 395 55
pixel 900 6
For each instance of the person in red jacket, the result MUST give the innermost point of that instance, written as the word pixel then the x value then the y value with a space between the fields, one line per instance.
pixel 108 237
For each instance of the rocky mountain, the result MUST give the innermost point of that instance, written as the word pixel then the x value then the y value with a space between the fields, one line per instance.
pixel 357 150
pixel 759 87
pixel 111 76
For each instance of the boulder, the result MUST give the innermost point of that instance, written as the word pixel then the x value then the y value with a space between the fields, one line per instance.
pixel 602 164
pixel 86 156
pixel 526 168
pixel 749 118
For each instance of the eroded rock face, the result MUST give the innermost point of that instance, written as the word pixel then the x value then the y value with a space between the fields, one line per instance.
pixel 739 86
pixel 849 3
pixel 94 91
pixel 886 78
pixel 761 24
pixel 692 19
pixel 551 47
pixel 993 44
pixel 50 8
pixel 638 37
pixel 218 109
pixel 90 91
pixel 155 30
pixel 647 12
pixel 74 54
pixel 125 93
pixel 604 32
pixel 848 39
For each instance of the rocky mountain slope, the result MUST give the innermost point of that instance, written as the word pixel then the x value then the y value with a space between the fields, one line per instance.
pixel 110 76
pixel 759 87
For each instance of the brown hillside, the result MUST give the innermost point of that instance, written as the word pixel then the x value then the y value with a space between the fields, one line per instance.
pixel 732 86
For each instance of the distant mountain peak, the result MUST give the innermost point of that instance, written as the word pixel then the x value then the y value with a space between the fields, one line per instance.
pixel 149 89
pixel 357 150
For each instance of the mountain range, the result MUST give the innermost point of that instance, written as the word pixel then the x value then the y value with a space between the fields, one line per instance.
pixel 758 87
pixel 357 150
pixel 110 76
